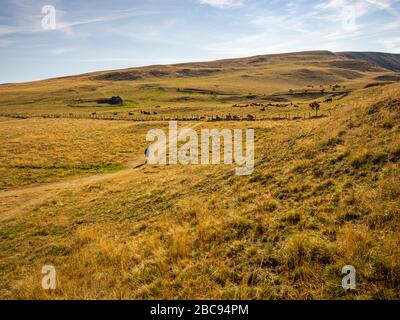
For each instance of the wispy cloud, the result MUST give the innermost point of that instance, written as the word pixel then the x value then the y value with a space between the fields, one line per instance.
pixel 361 7
pixel 67 26
pixel 347 14
pixel 391 43
pixel 32 24
pixel 8 30
pixel 148 60
pixel 290 21
pixel 146 33
pixel 256 44
pixel 5 43
pixel 223 4
pixel 61 51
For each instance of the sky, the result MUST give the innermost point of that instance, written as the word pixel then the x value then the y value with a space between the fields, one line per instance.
pixel 44 39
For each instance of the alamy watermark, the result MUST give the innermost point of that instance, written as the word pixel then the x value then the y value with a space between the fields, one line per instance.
pixel 49 278
pixel 196 150
pixel 349 280
pixel 349 18
pixel 49 21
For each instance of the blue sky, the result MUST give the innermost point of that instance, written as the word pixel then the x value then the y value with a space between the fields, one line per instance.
pixel 92 35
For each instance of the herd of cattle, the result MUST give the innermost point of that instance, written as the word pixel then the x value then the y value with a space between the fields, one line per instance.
pixel 264 106
pixel 279 105
pixel 131 113
pixel 148 113
pixel 314 106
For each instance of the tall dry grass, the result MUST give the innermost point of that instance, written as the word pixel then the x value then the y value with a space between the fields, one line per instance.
pixel 324 194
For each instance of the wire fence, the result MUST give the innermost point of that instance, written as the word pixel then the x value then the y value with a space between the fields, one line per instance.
pixel 213 118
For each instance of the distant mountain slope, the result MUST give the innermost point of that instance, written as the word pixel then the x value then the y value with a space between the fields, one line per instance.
pixel 388 61
pixel 333 63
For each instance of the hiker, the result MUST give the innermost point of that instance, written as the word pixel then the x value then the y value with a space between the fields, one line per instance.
pixel 146 154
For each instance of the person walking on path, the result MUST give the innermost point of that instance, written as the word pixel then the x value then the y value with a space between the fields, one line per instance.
pixel 146 154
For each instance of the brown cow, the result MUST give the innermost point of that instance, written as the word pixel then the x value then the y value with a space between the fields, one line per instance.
pixel 315 106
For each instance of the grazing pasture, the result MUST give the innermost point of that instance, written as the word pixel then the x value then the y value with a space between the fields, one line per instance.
pixel 74 191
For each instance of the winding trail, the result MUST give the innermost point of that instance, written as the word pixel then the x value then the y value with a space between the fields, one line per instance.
pixel 19 201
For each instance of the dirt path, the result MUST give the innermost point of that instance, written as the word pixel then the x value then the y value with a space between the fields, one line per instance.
pixel 23 200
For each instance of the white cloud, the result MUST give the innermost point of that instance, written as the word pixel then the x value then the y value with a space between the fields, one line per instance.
pixel 292 8
pixel 291 22
pixel 67 26
pixel 144 61
pixel 5 43
pixel 7 30
pixel 32 24
pixel 255 44
pixel 361 7
pixel 344 34
pixel 347 14
pixel 223 4
pixel 61 51
pixel 384 4
pixel 393 25
pixel 391 43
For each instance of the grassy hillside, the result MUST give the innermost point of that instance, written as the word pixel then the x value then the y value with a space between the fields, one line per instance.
pixel 384 60
pixel 324 193
pixel 209 88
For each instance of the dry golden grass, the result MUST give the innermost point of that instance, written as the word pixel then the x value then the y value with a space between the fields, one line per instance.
pixel 324 194
pixel 36 150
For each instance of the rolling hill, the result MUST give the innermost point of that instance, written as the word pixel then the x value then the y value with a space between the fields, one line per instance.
pixel 74 192
pixel 212 87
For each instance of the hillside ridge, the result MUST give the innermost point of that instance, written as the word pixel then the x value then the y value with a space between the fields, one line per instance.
pixel 386 61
